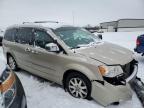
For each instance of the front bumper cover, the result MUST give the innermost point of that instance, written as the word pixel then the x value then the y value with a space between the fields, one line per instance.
pixel 107 94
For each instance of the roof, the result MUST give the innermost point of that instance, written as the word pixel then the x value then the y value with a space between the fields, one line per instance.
pixel 130 19
pixel 120 20
pixel 41 25
pixel 131 23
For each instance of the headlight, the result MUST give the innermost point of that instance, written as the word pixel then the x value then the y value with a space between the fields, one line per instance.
pixel 8 87
pixel 110 71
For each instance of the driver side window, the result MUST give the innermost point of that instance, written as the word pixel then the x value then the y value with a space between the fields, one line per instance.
pixel 42 38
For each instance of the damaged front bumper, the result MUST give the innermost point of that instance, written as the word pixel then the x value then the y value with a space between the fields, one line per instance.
pixel 108 94
pixel 132 77
pixel 119 91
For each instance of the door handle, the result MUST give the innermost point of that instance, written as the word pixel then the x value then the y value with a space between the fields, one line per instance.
pixel 27 49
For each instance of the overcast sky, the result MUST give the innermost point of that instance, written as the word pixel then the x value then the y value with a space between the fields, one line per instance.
pixel 85 11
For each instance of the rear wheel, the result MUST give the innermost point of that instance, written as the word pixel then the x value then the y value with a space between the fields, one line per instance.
pixel 78 85
pixel 12 63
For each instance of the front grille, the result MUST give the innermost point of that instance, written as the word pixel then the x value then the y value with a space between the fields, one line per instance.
pixel 118 80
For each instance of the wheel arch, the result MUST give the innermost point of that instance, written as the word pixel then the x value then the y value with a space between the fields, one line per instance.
pixel 66 73
pixel 12 55
pixel 8 54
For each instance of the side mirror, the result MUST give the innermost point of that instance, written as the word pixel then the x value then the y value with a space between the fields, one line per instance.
pixel 100 36
pixel 52 47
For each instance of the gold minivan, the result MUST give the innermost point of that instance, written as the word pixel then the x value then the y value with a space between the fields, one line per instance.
pixel 86 66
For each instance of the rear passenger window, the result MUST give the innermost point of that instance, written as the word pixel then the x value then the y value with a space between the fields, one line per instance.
pixel 24 36
pixel 10 34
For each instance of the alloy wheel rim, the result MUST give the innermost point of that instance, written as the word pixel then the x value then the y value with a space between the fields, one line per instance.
pixel 12 63
pixel 78 88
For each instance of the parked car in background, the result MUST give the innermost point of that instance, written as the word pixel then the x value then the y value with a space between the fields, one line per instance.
pixel 140 44
pixel 71 56
pixel 12 94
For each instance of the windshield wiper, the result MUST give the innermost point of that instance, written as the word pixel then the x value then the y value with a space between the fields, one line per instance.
pixel 75 47
pixel 86 45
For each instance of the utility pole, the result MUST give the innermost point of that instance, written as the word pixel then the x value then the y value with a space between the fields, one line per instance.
pixel 73 17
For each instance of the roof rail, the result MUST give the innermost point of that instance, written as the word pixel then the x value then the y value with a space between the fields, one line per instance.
pixel 42 22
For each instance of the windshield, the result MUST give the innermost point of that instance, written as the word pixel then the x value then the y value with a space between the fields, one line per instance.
pixel 75 37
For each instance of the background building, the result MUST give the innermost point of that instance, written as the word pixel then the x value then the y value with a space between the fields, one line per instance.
pixel 121 25
pixel 109 26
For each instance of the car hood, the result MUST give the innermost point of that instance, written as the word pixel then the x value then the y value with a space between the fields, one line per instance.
pixel 107 53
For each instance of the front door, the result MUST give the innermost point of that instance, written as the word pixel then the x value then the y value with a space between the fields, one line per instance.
pixel 44 62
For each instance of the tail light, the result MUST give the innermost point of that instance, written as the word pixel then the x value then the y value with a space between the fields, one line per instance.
pixel 138 42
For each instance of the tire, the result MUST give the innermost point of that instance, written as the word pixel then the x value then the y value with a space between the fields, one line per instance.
pixel 24 103
pixel 12 63
pixel 78 85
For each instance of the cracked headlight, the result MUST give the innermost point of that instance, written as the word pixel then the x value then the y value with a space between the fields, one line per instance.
pixel 110 71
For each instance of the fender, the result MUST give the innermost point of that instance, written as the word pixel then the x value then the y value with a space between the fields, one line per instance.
pixel 86 71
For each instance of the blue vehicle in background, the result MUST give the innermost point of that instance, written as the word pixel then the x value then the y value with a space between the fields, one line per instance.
pixel 140 45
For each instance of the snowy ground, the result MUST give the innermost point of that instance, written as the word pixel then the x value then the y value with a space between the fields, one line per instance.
pixel 41 94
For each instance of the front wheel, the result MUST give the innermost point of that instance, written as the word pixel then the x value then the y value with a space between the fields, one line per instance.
pixel 78 85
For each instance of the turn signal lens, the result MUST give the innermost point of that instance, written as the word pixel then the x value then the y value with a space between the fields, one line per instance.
pixel 103 70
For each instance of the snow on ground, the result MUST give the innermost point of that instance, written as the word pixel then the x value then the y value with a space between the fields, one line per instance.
pixel 125 39
pixel 41 94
